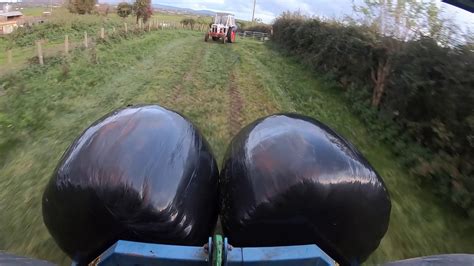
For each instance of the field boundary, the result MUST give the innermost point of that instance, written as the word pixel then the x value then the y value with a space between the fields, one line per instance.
pixel 17 58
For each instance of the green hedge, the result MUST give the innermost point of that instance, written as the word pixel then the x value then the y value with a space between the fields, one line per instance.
pixel 426 111
pixel 55 29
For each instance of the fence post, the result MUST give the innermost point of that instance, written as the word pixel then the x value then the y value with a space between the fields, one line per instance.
pixel 102 33
pixel 149 26
pixel 113 29
pixel 140 24
pixel 66 44
pixel 9 56
pixel 86 42
pixel 40 52
pixel 126 29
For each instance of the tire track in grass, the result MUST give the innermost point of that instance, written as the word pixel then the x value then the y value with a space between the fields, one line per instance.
pixel 236 106
pixel 249 94
pixel 188 76
pixel 205 98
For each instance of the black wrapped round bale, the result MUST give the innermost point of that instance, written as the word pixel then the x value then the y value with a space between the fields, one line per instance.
pixel 290 180
pixel 141 174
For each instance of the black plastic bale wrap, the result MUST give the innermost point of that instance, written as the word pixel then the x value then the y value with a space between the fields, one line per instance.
pixel 290 180
pixel 141 174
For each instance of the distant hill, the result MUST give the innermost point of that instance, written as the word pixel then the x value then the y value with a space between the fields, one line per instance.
pixel 42 2
pixel 184 10
pixel 167 8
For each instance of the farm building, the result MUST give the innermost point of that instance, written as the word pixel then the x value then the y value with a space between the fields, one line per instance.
pixel 9 21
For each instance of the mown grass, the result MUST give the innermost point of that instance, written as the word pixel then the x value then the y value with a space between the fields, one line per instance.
pixel 44 108
pixel 62 23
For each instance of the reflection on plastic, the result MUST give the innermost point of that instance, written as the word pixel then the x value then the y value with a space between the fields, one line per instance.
pixel 289 180
pixel 141 174
pixel 437 260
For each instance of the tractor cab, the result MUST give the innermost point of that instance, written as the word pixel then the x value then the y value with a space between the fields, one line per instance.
pixel 223 28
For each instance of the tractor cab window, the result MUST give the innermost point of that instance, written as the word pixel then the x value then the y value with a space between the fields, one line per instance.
pixel 220 20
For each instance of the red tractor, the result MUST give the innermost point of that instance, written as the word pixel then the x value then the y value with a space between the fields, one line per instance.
pixel 223 28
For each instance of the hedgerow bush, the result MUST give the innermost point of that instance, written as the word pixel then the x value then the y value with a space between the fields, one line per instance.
pixel 55 29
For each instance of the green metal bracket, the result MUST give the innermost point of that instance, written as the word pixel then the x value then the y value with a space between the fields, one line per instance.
pixel 217 248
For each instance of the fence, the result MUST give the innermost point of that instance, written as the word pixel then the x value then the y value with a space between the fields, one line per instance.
pixel 13 59
pixel 16 58
pixel 262 36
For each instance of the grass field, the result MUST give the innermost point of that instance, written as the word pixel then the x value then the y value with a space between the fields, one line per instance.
pixel 220 87
pixel 35 11
pixel 62 22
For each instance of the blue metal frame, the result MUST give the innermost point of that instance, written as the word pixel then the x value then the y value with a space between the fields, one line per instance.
pixel 135 253
pixel 279 256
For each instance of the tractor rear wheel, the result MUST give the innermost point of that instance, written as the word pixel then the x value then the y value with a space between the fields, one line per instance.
pixel 215 38
pixel 231 37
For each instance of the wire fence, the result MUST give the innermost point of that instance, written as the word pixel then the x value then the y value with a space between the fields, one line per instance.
pixel 16 58
pixel 261 36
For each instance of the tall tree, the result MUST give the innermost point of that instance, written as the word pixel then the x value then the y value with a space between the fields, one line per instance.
pixel 405 19
pixel 143 9
pixel 401 20
pixel 124 9
pixel 81 6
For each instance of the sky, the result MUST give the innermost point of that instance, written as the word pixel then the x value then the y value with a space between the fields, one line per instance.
pixel 267 10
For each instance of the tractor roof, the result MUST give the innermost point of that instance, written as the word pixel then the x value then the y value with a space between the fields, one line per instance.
pixel 224 14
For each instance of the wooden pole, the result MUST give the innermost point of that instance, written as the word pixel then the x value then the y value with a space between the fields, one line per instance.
pixel 66 44
pixel 253 12
pixel 126 29
pixel 113 29
pixel 9 56
pixel 140 24
pixel 86 42
pixel 149 26
pixel 40 52
pixel 102 33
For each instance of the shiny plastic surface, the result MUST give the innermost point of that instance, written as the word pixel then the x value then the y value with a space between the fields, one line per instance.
pixel 290 180
pixel 436 260
pixel 142 174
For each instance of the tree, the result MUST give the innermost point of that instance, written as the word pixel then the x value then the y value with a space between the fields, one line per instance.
pixel 81 6
pixel 124 9
pixel 396 22
pixel 143 9
pixel 188 21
